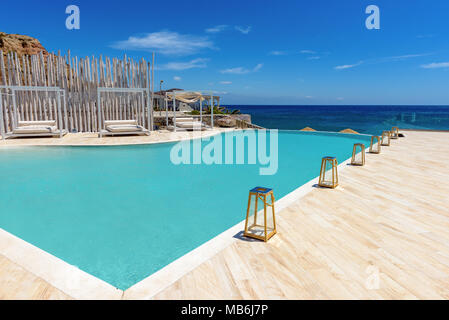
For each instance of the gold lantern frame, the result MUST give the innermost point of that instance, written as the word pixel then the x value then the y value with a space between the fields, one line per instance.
pixel 322 181
pixel 386 135
pixel 354 162
pixel 260 193
pixel 371 147
pixel 394 133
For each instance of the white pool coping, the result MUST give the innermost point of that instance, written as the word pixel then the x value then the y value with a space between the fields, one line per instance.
pixel 81 285
pixel 60 274
pixel 192 135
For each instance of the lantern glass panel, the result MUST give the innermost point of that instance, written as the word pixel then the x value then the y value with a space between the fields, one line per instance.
pixel 386 138
pixel 328 173
pixel 375 144
pixel 358 154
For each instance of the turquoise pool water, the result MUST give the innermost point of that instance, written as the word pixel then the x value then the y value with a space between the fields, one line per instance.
pixel 122 213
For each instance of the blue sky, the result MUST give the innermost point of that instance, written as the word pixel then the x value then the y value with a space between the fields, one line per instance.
pixel 262 52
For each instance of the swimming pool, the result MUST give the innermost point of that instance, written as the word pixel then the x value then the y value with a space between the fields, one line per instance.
pixel 122 213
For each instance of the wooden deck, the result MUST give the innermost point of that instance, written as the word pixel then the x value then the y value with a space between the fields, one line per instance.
pixel 392 215
pixel 19 284
pixel 387 221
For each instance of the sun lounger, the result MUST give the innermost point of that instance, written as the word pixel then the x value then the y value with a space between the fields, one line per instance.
pixel 194 125
pixel 184 120
pixel 188 126
pixel 122 127
pixel 30 129
pixel 184 124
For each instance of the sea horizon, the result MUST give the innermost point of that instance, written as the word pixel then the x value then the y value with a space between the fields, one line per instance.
pixel 368 119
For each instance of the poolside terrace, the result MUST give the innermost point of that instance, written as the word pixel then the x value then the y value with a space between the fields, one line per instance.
pixel 92 139
pixel 388 219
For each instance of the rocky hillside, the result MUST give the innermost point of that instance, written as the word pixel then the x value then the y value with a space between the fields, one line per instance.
pixel 23 45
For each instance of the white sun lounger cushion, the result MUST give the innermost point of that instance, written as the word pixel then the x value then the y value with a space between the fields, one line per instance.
pixel 195 124
pixel 184 120
pixel 120 122
pixel 45 123
pixel 124 128
pixel 34 129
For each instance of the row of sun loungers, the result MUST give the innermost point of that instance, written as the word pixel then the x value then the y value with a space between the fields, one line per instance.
pixel 48 128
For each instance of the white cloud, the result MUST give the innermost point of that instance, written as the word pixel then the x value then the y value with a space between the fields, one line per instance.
pixel 176 78
pixel 340 98
pixel 308 97
pixel 403 57
pixel 258 67
pixel 238 70
pixel 226 82
pixel 196 63
pixel 217 29
pixel 382 60
pixel 243 29
pixel 223 27
pixel 435 65
pixel 166 42
pixel 277 53
pixel 348 66
pixel 345 66
pixel 241 70
pixel 312 55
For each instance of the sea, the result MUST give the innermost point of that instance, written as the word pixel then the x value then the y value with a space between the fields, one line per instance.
pixel 363 119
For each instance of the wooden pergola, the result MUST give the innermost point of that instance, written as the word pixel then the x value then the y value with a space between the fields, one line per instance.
pixel 188 97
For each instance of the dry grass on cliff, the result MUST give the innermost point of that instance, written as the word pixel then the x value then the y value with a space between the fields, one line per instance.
pixel 23 45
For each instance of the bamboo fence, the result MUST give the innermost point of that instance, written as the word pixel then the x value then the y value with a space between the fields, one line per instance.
pixel 79 78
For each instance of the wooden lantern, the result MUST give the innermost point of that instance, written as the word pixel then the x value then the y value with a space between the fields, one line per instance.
pixel 328 173
pixel 386 138
pixel 375 144
pixel 359 149
pixel 260 227
pixel 394 133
